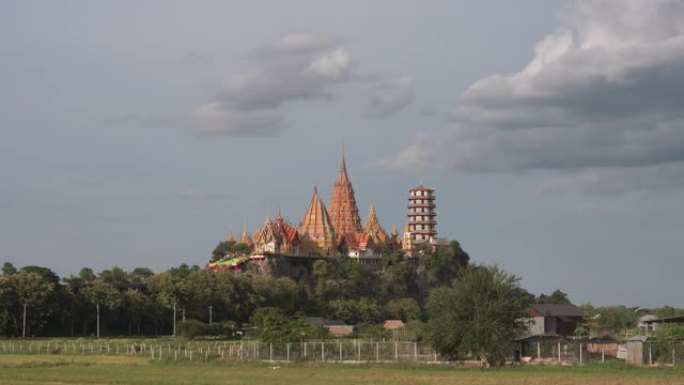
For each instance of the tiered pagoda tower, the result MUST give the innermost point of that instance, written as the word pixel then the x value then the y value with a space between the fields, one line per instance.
pixel 422 225
pixel 344 214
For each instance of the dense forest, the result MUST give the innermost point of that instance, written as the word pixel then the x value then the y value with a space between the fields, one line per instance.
pixel 141 302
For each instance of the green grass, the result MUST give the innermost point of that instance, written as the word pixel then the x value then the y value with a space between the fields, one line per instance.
pixel 94 369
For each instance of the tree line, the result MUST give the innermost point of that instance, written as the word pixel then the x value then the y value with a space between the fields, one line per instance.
pixel 141 302
pixel 457 306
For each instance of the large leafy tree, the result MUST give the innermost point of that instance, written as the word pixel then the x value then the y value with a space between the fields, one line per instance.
pixel 480 314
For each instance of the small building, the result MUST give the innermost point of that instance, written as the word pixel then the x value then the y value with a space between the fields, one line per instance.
pixel 634 350
pixel 341 330
pixel 393 324
pixel 653 323
pixel 557 319
pixel 336 328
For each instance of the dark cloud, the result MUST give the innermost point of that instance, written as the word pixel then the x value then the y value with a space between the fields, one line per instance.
pixel 603 92
pixel 295 68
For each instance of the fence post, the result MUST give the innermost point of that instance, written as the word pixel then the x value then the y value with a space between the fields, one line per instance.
pixel 559 351
pixel 650 354
pixel 270 351
pixel 580 353
pixel 305 343
pixel 323 351
pixel 538 350
pixel 396 351
pixel 339 345
pixel 603 354
pixel 415 351
pixel 288 352
pixel 673 357
pixel 358 351
pixel 377 351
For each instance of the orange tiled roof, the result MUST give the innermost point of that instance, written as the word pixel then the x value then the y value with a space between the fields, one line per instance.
pixel 391 324
pixel 316 222
pixel 373 228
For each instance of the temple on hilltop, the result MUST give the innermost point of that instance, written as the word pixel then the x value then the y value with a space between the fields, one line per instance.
pixel 337 230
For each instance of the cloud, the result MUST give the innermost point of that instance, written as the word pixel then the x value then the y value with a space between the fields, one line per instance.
pixel 642 182
pixel 602 92
pixel 296 67
pixel 388 97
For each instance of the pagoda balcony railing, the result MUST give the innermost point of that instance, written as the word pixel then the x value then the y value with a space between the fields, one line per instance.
pixel 425 198
pixel 422 206
pixel 433 223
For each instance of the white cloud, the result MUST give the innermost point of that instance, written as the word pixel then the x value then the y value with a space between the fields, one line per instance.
pixel 602 92
pixel 295 68
pixel 389 97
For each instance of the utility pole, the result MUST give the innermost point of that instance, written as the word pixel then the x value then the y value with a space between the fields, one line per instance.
pixel 23 330
pixel 174 319
pixel 98 319
pixel 183 313
pixel 211 308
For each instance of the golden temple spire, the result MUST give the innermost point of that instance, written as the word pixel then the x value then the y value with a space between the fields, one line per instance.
pixel 316 222
pixel 244 237
pixel 230 237
pixel 373 228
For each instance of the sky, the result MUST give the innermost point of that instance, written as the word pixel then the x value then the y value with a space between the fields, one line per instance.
pixel 138 133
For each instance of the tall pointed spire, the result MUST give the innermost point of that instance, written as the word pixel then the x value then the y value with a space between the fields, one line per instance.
pixel 244 237
pixel 373 228
pixel 343 211
pixel 316 221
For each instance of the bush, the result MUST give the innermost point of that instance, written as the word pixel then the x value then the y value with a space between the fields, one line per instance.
pixel 193 328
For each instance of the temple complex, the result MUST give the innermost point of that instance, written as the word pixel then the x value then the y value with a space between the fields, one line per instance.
pixel 337 231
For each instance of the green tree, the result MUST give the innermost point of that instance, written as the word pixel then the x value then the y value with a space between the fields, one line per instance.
pixel 557 297
pixel 444 264
pixel 272 325
pixel 8 269
pixel 405 309
pixel 480 314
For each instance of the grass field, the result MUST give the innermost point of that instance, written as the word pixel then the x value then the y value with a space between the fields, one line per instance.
pixel 54 369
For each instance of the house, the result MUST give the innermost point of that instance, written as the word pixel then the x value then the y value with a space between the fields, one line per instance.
pixel 336 328
pixel 653 323
pixel 557 319
pixel 393 324
pixel 341 330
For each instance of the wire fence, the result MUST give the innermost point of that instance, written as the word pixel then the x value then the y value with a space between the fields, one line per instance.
pixel 340 351
pixel 580 352
pixel 544 352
